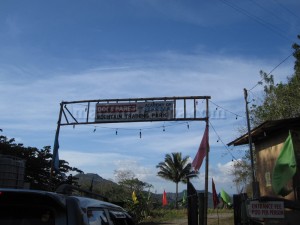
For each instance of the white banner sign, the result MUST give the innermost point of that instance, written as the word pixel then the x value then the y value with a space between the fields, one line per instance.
pixel 136 111
pixel 270 209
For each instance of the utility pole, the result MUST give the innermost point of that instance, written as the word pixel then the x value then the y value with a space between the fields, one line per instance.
pixel 255 187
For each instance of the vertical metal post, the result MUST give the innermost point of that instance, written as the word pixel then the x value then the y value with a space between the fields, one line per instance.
pixel 195 108
pixel 57 134
pixel 174 108
pixel 184 101
pixel 206 167
pixel 88 112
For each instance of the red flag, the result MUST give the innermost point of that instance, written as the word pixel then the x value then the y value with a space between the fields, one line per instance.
pixel 197 162
pixel 164 199
pixel 215 196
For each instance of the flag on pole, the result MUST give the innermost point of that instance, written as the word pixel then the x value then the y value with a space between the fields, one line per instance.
pixel 285 167
pixel 164 199
pixel 225 197
pixel 204 145
pixel 215 196
pixel 184 197
pixel 134 198
pixel 55 156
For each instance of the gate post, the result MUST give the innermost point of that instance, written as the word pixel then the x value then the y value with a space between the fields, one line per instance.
pixel 192 204
pixel 201 208
pixel 237 209
pixel 240 210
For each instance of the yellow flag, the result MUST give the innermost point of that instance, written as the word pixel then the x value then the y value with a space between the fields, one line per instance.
pixel 134 198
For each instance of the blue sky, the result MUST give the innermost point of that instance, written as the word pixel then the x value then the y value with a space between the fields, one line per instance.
pixel 74 50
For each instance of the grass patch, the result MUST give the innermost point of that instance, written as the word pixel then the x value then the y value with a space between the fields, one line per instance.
pixel 221 221
pixel 220 211
pixel 160 216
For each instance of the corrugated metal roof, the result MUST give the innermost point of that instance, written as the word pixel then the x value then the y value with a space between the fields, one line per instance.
pixel 268 127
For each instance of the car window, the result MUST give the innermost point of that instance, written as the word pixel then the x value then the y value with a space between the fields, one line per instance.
pixel 120 218
pixel 97 217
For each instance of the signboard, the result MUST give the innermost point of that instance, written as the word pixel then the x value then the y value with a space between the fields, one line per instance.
pixel 134 112
pixel 269 209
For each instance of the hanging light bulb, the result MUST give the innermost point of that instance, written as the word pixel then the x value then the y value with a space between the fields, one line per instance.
pixel 188 126
pixel 140 133
pixel 94 130
pixel 116 131
pixel 73 126
pixel 164 128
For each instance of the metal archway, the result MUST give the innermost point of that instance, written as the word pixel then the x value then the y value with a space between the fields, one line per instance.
pixel 134 110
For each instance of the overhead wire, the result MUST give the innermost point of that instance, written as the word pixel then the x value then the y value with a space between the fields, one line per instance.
pixel 164 125
pixel 285 59
pixel 219 139
pixel 269 11
pixel 218 106
pixel 287 9
pixel 257 19
pixel 141 128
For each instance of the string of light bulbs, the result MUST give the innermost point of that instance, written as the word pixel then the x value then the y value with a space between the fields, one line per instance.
pixel 220 140
pixel 235 114
pixel 163 127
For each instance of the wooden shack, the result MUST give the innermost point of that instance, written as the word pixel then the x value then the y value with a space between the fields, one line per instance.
pixel 268 139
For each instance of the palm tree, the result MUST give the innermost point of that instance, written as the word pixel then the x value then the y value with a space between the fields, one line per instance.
pixel 175 168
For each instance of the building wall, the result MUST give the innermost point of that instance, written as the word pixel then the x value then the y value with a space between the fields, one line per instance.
pixel 267 151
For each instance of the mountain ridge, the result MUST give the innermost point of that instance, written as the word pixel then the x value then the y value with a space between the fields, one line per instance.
pixel 97 182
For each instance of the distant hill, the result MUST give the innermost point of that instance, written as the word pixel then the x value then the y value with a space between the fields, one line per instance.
pixel 85 181
pixel 102 185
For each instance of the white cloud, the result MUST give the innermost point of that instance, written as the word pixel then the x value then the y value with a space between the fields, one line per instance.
pixel 29 111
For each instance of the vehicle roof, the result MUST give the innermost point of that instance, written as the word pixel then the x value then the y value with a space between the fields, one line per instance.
pixel 59 198
pixel 84 202
pixel 89 202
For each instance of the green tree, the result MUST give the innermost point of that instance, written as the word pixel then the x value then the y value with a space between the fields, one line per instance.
pixel 37 164
pixel 175 168
pixel 242 175
pixel 129 183
pixel 280 101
